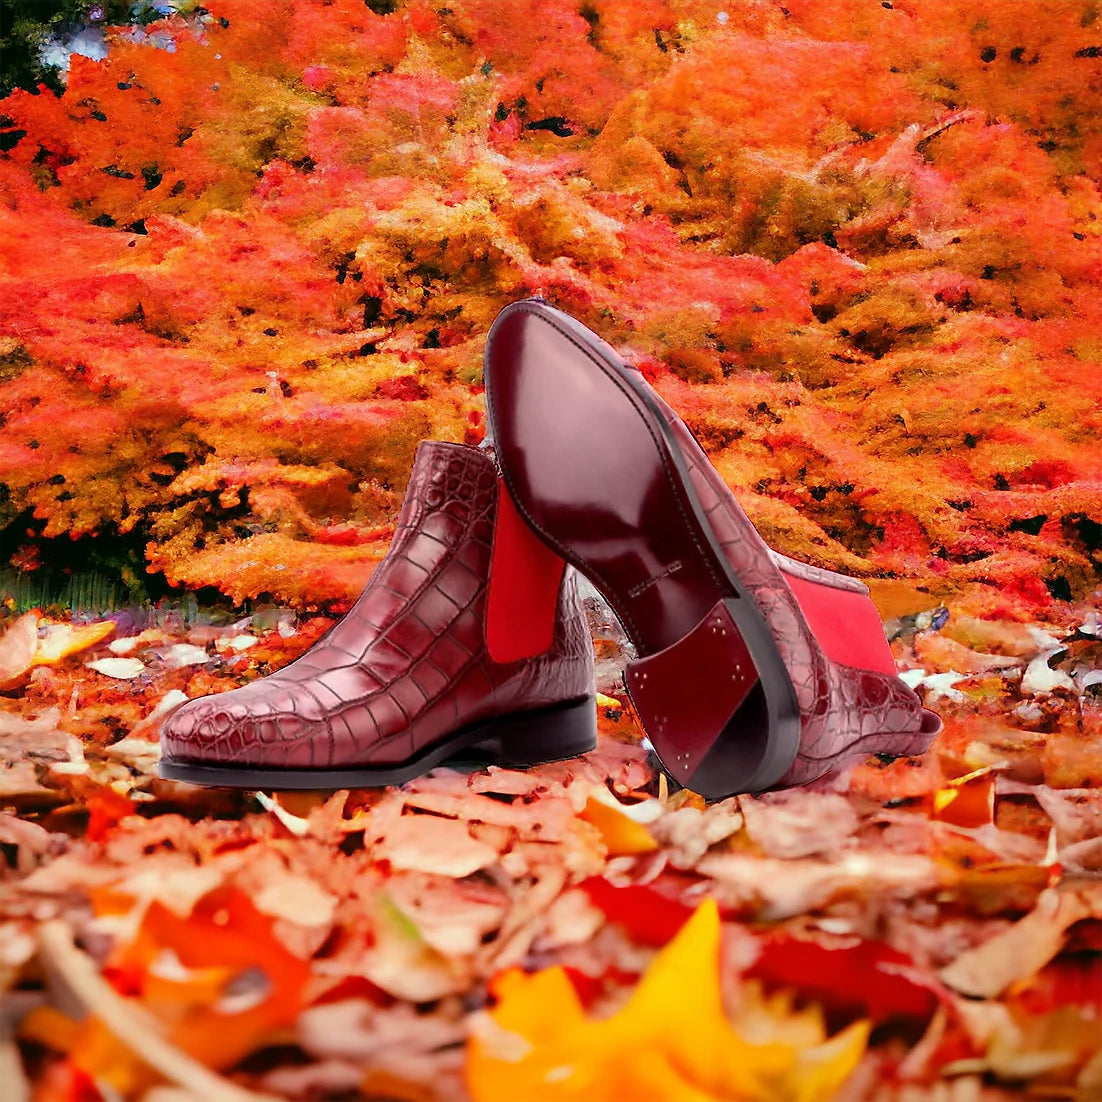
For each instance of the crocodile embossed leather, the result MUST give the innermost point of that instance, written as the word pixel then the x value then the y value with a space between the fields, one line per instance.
pixel 755 671
pixel 852 703
pixel 405 680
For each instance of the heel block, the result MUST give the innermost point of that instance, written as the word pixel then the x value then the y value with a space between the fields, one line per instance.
pixel 686 694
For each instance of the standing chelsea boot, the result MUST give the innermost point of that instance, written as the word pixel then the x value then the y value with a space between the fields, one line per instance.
pixel 754 671
pixel 469 642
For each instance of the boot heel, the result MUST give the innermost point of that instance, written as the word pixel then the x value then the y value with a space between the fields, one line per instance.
pixel 719 721
pixel 549 734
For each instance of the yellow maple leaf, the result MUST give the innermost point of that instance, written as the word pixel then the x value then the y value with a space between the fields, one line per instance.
pixel 672 1042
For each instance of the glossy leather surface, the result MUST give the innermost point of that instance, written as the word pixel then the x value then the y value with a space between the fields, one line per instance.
pixel 604 483
pixel 592 481
pixel 408 664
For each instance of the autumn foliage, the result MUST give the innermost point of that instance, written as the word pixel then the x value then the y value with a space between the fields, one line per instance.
pixel 250 260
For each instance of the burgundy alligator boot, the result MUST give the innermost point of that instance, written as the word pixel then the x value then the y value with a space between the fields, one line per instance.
pixel 469 642
pixel 754 671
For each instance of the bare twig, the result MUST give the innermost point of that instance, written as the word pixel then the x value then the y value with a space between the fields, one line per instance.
pixel 130 1024
pixel 928 135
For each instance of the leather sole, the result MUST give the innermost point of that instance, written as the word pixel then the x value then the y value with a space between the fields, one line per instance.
pixel 517 740
pixel 593 467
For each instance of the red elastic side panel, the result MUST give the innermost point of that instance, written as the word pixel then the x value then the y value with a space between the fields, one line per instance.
pixel 524 588
pixel 846 625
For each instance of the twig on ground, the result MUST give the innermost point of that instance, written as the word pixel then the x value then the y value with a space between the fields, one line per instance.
pixel 130 1024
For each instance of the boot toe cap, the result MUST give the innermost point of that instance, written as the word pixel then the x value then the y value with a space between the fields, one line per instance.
pixel 238 726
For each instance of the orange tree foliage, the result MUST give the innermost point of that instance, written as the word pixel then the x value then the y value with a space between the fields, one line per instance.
pixel 251 257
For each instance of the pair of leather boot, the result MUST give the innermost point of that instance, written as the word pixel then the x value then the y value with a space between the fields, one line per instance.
pixel 754 671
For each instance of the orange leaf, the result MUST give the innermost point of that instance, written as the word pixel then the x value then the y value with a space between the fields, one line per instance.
pixel 622 835
pixel 238 982
pixel 967 801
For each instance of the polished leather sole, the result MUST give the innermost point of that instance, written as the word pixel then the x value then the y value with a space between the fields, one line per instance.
pixel 593 467
pixel 517 740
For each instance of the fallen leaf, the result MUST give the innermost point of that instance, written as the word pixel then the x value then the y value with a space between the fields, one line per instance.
pixel 650 916
pixel 1000 636
pixel 1022 949
pixel 218 976
pixel 356 1029
pixel 967 801
pixel 622 834
pixel 799 823
pixel 297 899
pixel 430 843
pixel 123 669
pixel 61 640
pixel 687 833
pixel 452 917
pixel 936 652
pixel 179 655
pixel 772 888
pixel 1040 679
pixel 402 963
pixel 17 649
pixel 850 975
pixel 672 1040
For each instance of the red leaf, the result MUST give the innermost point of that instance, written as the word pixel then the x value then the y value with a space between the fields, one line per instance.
pixel 868 978
pixel 650 916
pixel 106 809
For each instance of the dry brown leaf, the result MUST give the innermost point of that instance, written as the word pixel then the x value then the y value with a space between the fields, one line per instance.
pixel 297 899
pixel 1024 948
pixel 528 918
pixel 402 963
pixel 23 743
pixel 17 649
pixel 572 919
pixel 355 1029
pixel 687 833
pixel 451 917
pixel 774 889
pixel 937 652
pixel 429 843
pixel 547 819
pixel 31 841
pixel 999 636
pixel 798 823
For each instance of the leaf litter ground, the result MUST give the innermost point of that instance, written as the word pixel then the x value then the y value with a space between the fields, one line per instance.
pixel 914 929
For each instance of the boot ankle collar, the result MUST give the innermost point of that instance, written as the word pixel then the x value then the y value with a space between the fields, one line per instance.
pixel 448 477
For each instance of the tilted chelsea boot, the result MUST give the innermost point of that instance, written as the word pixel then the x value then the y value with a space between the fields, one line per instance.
pixel 754 671
pixel 468 642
